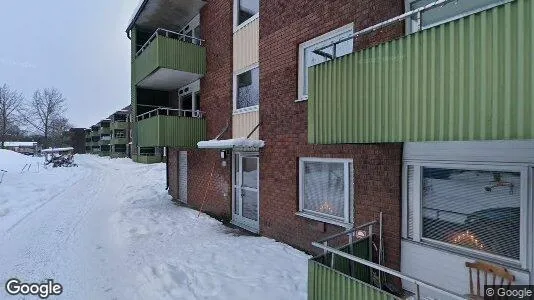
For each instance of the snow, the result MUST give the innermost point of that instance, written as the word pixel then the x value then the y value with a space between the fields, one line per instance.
pixel 231 143
pixel 109 230
pixel 12 161
pixel 49 150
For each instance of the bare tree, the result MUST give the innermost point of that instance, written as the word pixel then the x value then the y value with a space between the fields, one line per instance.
pixel 59 131
pixel 10 102
pixel 44 110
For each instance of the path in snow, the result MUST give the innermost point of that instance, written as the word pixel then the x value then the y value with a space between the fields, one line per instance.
pixel 108 230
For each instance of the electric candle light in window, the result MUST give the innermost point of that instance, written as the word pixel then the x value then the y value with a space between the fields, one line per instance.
pixel 467 239
pixel 326 207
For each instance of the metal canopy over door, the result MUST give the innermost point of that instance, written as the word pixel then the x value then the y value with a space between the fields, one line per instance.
pixel 245 207
pixel 182 176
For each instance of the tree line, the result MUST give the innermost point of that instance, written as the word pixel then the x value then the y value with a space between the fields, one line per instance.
pixel 41 119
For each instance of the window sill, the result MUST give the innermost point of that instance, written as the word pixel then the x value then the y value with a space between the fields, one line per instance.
pixel 467 254
pixel 303 99
pixel 246 110
pixel 324 220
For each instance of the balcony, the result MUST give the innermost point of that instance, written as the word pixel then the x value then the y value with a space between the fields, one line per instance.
pixel 468 79
pixel 147 159
pixel 168 60
pixel 165 127
pixel 355 269
pixel 118 125
pixel 119 141
pixel 104 130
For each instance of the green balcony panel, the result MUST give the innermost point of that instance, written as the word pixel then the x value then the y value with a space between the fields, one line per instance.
pixel 469 79
pixel 344 279
pixel 119 141
pixel 167 63
pixel 104 130
pixel 171 131
pixel 147 159
pixel 114 154
pixel 119 125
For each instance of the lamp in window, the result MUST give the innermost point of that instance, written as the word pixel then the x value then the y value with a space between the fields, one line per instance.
pixel 326 207
pixel 467 239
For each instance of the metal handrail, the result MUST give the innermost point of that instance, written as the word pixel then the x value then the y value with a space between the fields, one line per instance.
pixel 399 18
pixel 166 111
pixel 166 33
pixel 387 270
pixel 323 244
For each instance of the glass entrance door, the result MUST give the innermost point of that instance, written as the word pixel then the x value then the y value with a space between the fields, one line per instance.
pixel 246 191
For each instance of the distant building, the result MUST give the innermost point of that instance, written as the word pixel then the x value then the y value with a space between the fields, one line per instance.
pixel 77 140
pixel 28 148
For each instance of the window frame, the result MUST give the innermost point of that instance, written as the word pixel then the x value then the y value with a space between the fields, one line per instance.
pixel 417 237
pixel 234 91
pixel 302 46
pixel 411 26
pixel 348 219
pixel 237 26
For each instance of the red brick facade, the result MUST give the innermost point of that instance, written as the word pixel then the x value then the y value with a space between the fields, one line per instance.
pixel 209 183
pixel 377 168
pixel 283 26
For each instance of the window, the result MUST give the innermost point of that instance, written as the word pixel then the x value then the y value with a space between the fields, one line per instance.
pixel 119 134
pixel 247 90
pixel 307 58
pixel 326 190
pixel 448 12
pixel 468 208
pixel 245 11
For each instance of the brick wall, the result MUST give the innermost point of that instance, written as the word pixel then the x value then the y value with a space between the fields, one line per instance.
pixel 283 26
pixel 212 193
pixel 77 140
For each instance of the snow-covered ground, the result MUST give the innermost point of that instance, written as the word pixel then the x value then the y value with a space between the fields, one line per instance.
pixel 108 230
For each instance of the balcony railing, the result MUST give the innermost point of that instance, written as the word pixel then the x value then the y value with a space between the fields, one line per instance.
pixel 349 269
pixel 463 80
pixel 169 34
pixel 167 111
pixel 168 127
pixel 178 54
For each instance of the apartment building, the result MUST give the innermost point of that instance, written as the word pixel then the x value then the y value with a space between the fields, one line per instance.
pixel 120 132
pixel 111 136
pixel 95 139
pixel 298 120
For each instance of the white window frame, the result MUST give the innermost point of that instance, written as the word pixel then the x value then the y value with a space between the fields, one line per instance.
pixel 411 25
pixel 301 95
pixel 349 201
pixel 525 208
pixel 234 94
pixel 237 26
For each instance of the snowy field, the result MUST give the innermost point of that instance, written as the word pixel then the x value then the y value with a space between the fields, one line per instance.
pixel 108 230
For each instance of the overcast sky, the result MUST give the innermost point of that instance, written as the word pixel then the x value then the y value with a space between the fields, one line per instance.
pixel 79 47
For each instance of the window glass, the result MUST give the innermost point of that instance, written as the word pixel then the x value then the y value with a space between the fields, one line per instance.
pixel 450 10
pixel 247 9
pixel 311 59
pixel 473 209
pixel 323 188
pixel 248 89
